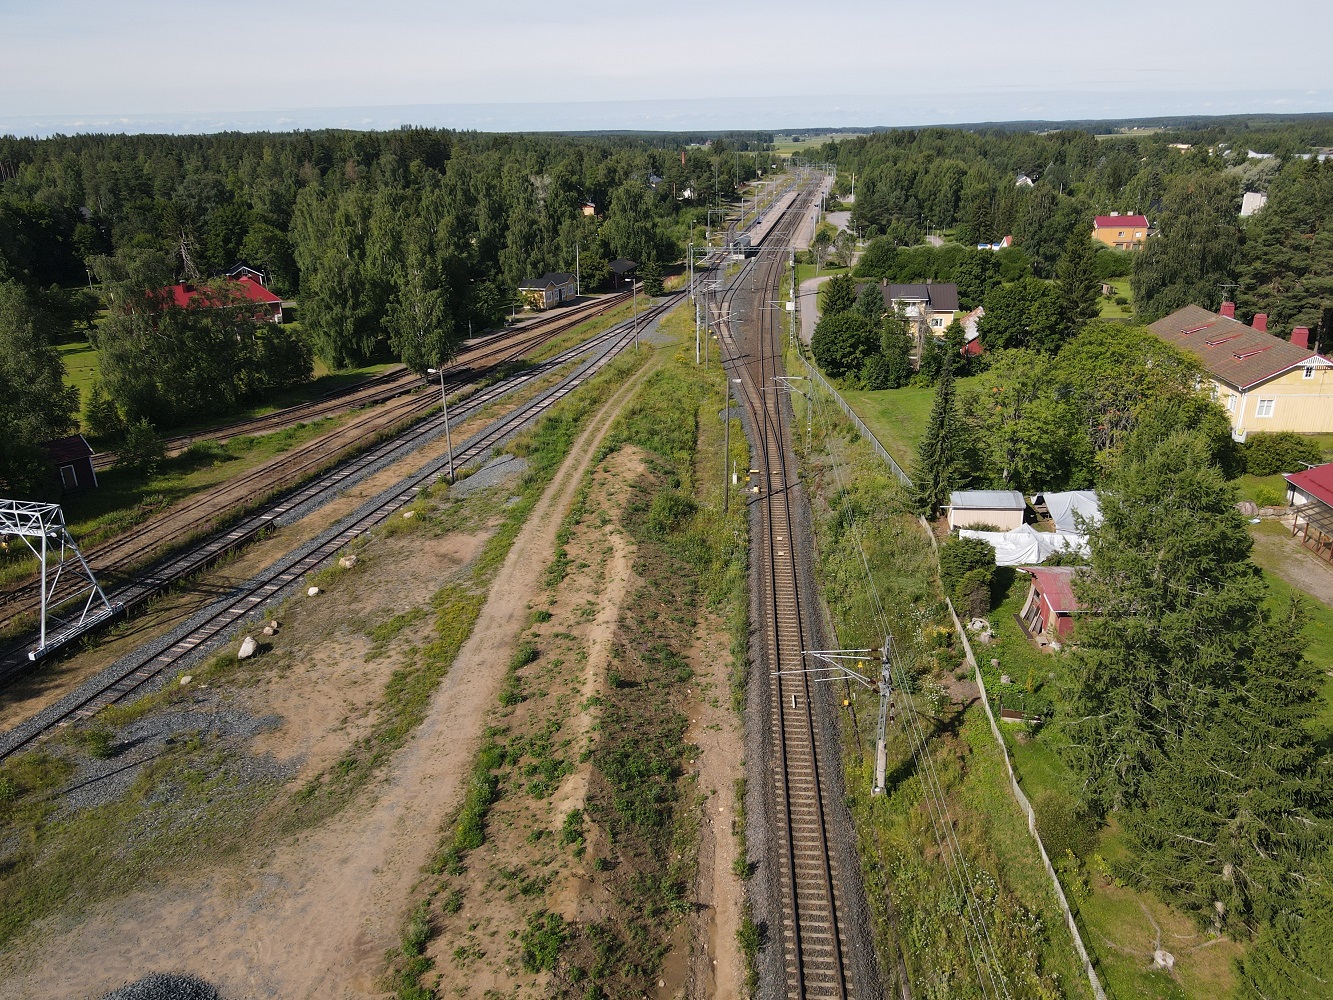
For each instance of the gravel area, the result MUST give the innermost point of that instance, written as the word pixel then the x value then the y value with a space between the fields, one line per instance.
pixel 498 470
pixel 160 986
pixel 99 782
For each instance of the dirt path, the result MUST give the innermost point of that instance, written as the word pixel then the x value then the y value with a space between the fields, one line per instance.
pixel 716 966
pixel 315 918
pixel 1278 552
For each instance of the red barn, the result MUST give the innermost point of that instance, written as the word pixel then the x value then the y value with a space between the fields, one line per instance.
pixel 1048 614
pixel 72 459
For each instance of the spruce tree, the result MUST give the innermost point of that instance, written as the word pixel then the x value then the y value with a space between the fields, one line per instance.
pixel 938 467
pixel 1076 276
pixel 1173 600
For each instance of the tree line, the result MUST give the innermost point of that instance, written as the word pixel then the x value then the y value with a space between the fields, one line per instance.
pixel 397 245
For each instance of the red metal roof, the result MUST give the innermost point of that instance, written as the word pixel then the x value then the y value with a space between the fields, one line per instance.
pixel 1316 482
pixel 1055 584
pixel 184 294
pixel 1120 221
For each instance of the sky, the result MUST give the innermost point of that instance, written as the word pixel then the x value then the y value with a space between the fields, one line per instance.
pixel 199 65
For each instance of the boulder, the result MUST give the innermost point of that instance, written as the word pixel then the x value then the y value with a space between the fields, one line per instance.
pixel 186 678
pixel 409 514
pixel 1163 960
pixel 248 648
pixel 270 631
pixel 1006 679
pixel 347 562
pixel 312 592
pixel 274 624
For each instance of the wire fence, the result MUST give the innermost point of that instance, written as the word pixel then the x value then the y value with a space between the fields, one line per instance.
pixel 1093 981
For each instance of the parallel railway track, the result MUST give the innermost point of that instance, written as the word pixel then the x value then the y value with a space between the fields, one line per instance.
pixel 816 958
pixel 483 354
pixel 131 674
pixel 206 511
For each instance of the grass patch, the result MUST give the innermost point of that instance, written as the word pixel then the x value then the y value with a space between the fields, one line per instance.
pixel 1110 309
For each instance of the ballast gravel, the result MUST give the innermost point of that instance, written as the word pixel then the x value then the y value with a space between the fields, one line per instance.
pixel 160 986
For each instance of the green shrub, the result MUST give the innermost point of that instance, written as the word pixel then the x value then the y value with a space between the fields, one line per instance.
pixel 542 940
pixel 972 595
pixel 1282 451
pixel 101 414
pixel 143 448
pixel 960 555
pixel 669 508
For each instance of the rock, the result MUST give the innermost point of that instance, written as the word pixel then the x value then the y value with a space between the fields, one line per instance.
pixel 312 592
pixel 274 624
pixel 1163 960
pixel 248 647
pixel 268 630
pixel 409 514
pixel 1248 507
pixel 978 625
pixel 347 562
pixel 1006 679
pixel 186 679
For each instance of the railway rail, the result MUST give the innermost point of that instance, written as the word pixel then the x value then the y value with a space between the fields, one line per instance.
pixel 205 511
pixel 485 352
pixel 132 673
pixel 817 951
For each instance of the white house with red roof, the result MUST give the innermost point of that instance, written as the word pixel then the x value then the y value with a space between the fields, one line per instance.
pixel 268 306
pixel 1311 494
pixel 1120 232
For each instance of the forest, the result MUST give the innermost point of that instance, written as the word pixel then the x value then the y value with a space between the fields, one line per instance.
pixel 396 246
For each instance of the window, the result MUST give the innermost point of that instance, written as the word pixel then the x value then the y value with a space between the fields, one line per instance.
pixel 1121 234
pixel 1264 408
pixel 1231 403
pixel 937 321
pixel 1309 371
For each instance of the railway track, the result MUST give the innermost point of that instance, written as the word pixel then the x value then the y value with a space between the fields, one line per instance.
pixel 132 673
pixel 485 352
pixel 209 509
pixel 816 950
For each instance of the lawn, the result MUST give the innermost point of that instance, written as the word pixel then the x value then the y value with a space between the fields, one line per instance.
pixel 1109 310
pixel 804 272
pixel 898 417
pixel 81 365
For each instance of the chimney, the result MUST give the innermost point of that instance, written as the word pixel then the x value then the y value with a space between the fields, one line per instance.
pixel 1260 322
pixel 1229 310
pixel 1301 337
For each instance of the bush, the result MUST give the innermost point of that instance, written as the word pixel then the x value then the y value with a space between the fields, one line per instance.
pixel 843 342
pixel 972 595
pixel 959 556
pixel 143 449
pixel 1283 451
pixel 668 509
pixel 1121 300
pixel 101 414
pixel 1109 264
pixel 542 941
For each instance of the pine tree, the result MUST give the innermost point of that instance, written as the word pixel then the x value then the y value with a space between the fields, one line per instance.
pixel 938 467
pixel 839 294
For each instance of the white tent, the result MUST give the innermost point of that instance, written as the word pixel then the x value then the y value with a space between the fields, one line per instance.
pixel 1026 545
pixel 1063 507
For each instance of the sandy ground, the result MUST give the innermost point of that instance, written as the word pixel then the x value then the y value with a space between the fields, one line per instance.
pixel 808 305
pixel 716 966
pixel 315 917
pixel 1286 557
pixel 54 679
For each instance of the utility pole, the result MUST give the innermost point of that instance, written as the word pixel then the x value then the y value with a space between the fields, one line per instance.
pixel 634 294
pixel 444 402
pixel 578 284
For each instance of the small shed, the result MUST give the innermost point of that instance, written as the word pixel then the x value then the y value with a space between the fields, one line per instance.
pixel 622 269
pixel 72 459
pixel 1048 613
pixel 1002 508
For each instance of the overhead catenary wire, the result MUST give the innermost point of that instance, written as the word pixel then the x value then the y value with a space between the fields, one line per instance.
pixel 981 945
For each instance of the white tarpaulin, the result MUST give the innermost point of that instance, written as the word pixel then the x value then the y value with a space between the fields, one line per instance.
pixel 1063 507
pixel 1026 545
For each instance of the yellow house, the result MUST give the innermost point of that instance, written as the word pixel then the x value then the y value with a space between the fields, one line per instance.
pixel 1120 232
pixel 554 288
pixel 1266 383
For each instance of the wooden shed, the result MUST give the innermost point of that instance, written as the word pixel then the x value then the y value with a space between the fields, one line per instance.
pixel 72 459
pixel 1048 613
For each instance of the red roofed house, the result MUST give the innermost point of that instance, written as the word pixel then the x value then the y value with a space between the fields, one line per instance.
pixel 1121 232
pixel 1265 382
pixel 1311 493
pixel 72 458
pixel 1048 614
pixel 269 306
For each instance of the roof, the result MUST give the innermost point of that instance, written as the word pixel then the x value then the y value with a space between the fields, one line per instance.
pixel 548 279
pixel 64 450
pixel 1238 355
pixel 185 294
pixel 1251 202
pixel 942 296
pixel 1056 584
pixel 620 265
pixel 1316 482
pixel 987 500
pixel 1116 221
